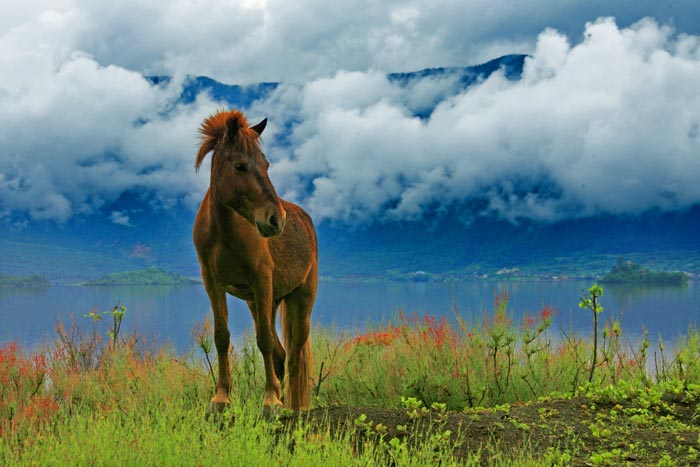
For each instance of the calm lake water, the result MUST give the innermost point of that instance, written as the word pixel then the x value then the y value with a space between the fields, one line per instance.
pixel 169 313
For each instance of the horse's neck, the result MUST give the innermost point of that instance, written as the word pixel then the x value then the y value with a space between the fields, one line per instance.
pixel 230 225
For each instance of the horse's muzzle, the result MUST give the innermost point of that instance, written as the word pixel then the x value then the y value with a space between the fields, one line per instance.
pixel 274 225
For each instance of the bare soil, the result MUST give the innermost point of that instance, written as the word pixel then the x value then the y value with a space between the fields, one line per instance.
pixel 631 433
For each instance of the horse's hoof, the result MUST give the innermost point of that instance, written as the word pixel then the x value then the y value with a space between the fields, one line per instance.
pixel 216 407
pixel 272 411
pixel 215 413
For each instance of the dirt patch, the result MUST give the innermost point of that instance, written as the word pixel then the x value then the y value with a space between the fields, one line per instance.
pixel 577 431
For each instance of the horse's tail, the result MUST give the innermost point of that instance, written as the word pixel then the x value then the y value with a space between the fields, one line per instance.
pixel 304 371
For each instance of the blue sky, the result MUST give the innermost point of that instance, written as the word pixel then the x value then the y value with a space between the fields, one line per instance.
pixel 607 115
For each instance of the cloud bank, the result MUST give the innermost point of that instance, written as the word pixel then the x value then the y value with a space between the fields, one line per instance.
pixel 606 122
pixel 249 41
pixel 609 125
pixel 74 134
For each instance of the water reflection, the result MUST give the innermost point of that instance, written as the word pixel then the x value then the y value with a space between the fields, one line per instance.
pixel 632 292
pixel 10 291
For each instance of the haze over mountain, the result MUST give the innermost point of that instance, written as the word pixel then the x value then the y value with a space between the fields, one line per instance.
pixel 584 149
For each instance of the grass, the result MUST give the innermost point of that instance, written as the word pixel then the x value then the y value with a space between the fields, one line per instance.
pixel 416 390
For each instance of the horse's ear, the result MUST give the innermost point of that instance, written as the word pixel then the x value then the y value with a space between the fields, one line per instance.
pixel 259 127
pixel 232 127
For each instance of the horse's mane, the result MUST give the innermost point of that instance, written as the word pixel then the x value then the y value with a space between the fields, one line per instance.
pixel 214 128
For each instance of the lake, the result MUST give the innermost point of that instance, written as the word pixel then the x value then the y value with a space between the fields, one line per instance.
pixel 169 313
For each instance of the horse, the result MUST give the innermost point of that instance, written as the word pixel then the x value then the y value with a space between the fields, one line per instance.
pixel 260 248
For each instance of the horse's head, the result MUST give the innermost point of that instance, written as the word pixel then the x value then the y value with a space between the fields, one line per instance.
pixel 239 176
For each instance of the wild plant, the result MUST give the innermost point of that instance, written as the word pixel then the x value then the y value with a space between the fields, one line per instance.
pixel 83 350
pixel 536 346
pixel 202 332
pixel 500 339
pixel 114 325
pixel 24 403
pixel 685 366
pixel 590 302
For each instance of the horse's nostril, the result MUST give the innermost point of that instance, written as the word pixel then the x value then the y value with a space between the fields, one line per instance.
pixel 274 222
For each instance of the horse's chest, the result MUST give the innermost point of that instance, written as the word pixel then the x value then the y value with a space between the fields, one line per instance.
pixel 239 274
pixel 243 270
pixel 233 266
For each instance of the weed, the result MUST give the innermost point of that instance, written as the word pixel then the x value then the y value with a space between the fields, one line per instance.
pixel 114 326
pixel 590 302
pixel 24 403
pixel 202 333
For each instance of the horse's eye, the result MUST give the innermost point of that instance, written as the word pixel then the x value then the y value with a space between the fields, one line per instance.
pixel 240 167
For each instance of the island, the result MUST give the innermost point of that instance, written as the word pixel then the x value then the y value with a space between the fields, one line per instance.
pixel 32 281
pixel 627 272
pixel 148 276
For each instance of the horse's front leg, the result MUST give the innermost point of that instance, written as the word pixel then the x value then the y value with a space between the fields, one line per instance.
pixel 266 339
pixel 222 340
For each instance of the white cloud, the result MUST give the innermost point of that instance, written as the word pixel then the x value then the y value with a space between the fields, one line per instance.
pixel 278 40
pixel 609 119
pixel 75 134
pixel 608 125
pixel 120 218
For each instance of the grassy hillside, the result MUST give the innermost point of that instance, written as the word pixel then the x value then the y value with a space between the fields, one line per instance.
pixel 61 263
pixel 148 276
pixel 627 272
pixel 7 280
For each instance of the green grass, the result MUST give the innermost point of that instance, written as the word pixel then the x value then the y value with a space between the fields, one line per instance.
pixel 89 398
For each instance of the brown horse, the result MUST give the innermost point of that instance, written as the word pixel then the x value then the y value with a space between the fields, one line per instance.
pixel 261 249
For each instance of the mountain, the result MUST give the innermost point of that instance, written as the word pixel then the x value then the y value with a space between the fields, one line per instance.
pixel 241 96
pixel 627 272
pixel 444 246
pixel 512 66
pixel 441 243
pixel 14 282
pixel 587 246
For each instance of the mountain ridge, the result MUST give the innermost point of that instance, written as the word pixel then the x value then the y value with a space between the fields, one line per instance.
pixel 441 242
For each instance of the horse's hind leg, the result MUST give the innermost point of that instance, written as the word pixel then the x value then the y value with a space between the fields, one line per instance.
pixel 296 325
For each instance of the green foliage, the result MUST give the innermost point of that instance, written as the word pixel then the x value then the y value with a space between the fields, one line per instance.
pixel 627 272
pixel 148 276
pixel 591 300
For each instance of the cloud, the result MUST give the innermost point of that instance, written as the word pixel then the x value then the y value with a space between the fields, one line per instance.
pixel 120 218
pixel 74 134
pixel 607 125
pixel 277 40
pixel 602 121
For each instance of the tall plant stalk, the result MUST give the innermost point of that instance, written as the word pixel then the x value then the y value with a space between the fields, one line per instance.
pixel 590 302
